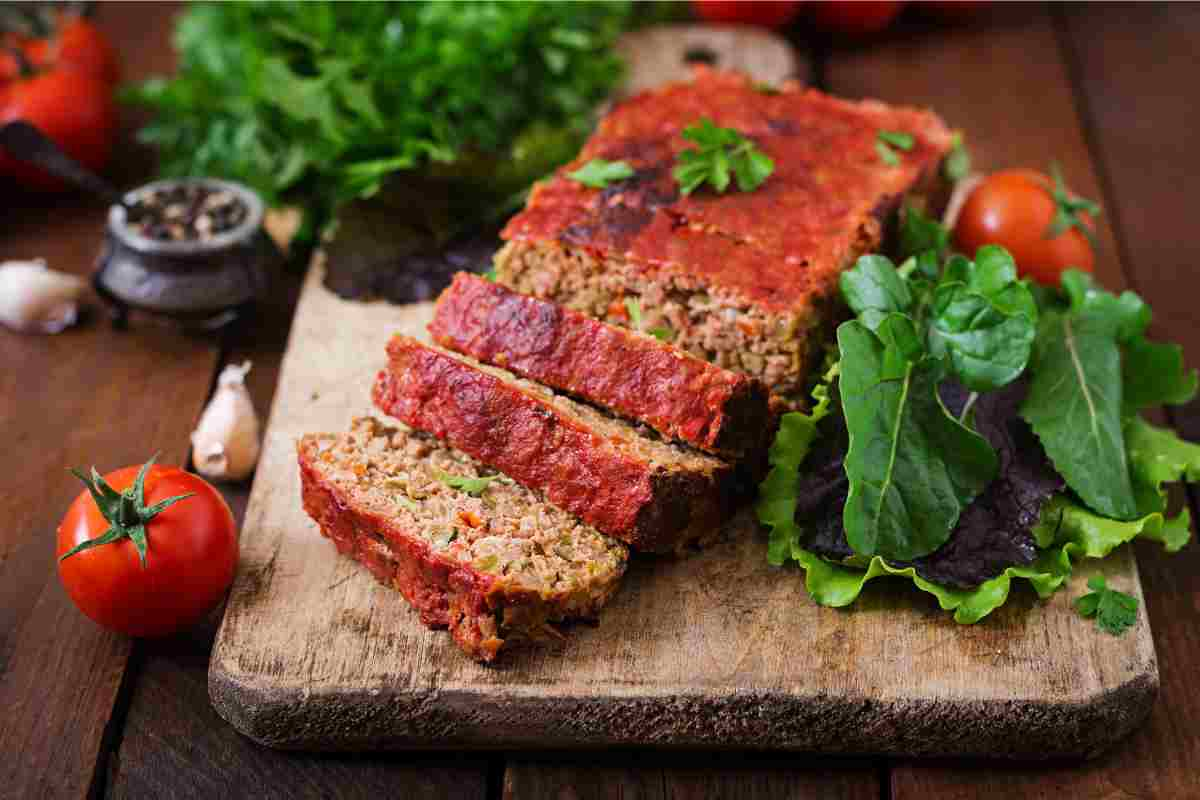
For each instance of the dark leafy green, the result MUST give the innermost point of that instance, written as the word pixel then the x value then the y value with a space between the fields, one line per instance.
pixel 1085 357
pixel 983 319
pixel 719 154
pixel 920 234
pixel 912 467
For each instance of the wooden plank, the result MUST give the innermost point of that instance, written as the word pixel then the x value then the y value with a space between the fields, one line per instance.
pixel 314 654
pixel 1035 118
pixel 692 777
pixel 174 745
pixel 86 396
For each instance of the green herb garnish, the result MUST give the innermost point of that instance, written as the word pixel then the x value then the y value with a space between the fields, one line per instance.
pixel 885 141
pixel 663 334
pixel 720 154
pixel 599 173
pixel 472 486
pixel 1069 210
pixel 1115 612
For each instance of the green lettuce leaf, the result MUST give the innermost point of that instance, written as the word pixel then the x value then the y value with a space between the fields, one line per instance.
pixel 776 506
pixel 1065 533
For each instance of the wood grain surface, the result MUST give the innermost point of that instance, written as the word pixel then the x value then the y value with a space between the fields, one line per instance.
pixel 1130 71
pixel 74 400
pixel 696 651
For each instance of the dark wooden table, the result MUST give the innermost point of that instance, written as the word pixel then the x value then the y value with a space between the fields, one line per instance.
pixel 1110 92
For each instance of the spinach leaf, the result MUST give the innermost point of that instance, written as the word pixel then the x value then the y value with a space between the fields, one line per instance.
pixel 983 319
pixel 1074 407
pixel 873 289
pixel 1154 375
pixel 912 467
pixel 919 234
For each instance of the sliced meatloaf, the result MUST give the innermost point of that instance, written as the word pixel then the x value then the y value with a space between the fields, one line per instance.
pixel 624 481
pixel 747 280
pixel 633 374
pixel 471 551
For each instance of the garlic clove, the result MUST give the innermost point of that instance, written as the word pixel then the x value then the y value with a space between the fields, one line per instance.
pixel 34 299
pixel 226 441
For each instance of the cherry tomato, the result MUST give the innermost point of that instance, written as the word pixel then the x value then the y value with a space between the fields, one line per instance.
pixel 853 18
pixel 73 108
pixel 191 552
pixel 1016 209
pixel 748 12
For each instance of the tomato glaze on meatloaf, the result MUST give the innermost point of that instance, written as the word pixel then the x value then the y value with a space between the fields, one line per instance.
pixel 744 279
pixel 494 565
pixel 624 481
pixel 628 372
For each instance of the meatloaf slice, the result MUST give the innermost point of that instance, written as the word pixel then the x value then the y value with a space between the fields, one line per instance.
pixel 633 374
pixel 629 484
pixel 747 280
pixel 493 561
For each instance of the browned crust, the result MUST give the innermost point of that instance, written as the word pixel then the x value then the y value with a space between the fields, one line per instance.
pixel 641 378
pixel 779 247
pixel 480 610
pixel 537 444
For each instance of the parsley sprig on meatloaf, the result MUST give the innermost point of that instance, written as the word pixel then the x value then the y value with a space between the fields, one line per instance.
pixel 720 153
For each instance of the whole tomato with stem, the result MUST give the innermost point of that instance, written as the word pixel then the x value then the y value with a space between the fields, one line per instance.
pixel 73 108
pixel 1033 216
pixel 147 551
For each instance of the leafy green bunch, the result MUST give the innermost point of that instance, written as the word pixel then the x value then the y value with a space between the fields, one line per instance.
pixel 913 467
pixel 317 102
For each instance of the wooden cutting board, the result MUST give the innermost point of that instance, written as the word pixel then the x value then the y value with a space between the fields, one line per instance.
pixel 716 649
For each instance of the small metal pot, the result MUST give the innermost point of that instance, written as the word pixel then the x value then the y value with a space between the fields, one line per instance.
pixel 198 283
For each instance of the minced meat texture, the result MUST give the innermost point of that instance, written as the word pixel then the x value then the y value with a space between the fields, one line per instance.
pixel 993 533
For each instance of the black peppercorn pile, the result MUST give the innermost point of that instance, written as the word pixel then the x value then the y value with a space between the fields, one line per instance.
pixel 185 212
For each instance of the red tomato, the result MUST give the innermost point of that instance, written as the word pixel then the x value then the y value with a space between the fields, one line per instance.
pixel 72 108
pixel 190 557
pixel 1015 209
pixel 853 18
pixel 78 45
pixel 75 44
pixel 748 12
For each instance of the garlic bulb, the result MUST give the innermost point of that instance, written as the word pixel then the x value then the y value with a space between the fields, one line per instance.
pixel 225 443
pixel 35 299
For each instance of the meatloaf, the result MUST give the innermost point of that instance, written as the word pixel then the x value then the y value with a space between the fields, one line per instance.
pixel 493 561
pixel 631 373
pixel 626 482
pixel 743 279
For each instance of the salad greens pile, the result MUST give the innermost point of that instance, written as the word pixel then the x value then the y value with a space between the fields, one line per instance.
pixel 317 102
pixel 1071 367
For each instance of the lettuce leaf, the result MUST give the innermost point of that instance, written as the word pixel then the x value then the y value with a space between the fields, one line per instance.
pixel 776 506
pixel 1066 533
